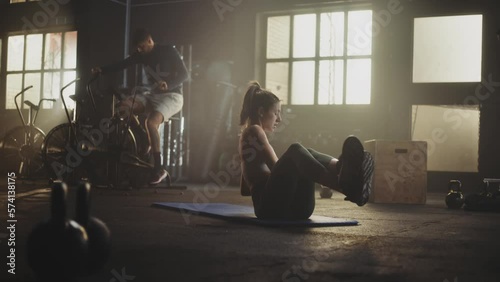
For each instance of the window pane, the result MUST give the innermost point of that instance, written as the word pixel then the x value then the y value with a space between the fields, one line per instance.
pixel 52 51
pixel 70 50
pixel 34 45
pixel 33 94
pixel 278 37
pixel 303 83
pixel 459 124
pixel 15 53
pixel 68 77
pixel 331 82
pixel 358 81
pixel 448 49
pixel 277 80
pixel 51 85
pixel 332 34
pixel 359 34
pixel 14 86
pixel 304 36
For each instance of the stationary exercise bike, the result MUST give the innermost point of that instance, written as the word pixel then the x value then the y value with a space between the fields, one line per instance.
pixel 21 146
pixel 105 154
pixel 126 166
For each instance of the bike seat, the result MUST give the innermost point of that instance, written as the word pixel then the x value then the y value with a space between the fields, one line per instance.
pixel 31 105
pixel 77 98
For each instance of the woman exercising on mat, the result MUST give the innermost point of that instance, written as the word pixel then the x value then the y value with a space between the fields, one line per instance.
pixel 284 188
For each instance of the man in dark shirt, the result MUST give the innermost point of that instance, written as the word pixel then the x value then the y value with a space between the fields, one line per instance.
pixel 160 95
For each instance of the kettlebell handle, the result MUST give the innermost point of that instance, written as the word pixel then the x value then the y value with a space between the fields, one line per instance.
pixel 58 202
pixel 455 185
pixel 83 203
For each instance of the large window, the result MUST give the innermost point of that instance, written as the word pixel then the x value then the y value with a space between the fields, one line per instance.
pixel 447 49
pixel 45 60
pixel 319 58
pixel 451 133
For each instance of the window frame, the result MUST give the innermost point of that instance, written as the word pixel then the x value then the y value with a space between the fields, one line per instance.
pixel 261 50
pixel 42 71
pixel 447 15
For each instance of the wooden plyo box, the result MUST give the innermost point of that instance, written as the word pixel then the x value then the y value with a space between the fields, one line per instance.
pixel 400 174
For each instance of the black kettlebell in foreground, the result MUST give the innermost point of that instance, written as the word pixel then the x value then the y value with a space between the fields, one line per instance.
pixel 99 236
pixel 57 248
pixel 455 198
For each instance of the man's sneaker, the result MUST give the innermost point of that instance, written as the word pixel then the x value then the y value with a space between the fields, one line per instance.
pixel 158 176
pixel 356 171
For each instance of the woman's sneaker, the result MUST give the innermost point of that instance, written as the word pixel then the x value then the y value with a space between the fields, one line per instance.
pixel 356 171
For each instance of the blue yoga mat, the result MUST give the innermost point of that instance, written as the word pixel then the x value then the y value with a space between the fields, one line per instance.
pixel 246 214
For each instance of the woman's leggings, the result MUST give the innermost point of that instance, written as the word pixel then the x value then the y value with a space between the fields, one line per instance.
pixel 289 191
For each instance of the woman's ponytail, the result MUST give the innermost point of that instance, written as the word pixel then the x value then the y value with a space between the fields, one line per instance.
pixel 255 98
pixel 246 109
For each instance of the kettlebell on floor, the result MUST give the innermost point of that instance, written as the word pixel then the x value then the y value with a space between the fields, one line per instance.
pixel 325 192
pixel 99 236
pixel 455 198
pixel 57 247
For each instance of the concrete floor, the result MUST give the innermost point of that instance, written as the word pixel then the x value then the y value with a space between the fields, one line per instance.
pixel 391 243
